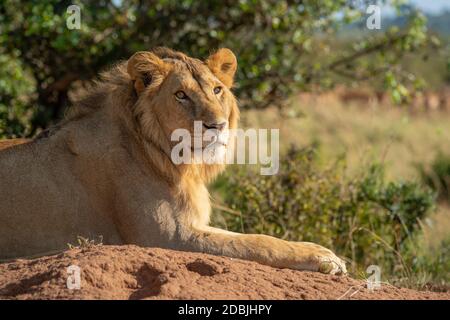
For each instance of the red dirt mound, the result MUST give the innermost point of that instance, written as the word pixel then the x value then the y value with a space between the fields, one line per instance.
pixel 130 272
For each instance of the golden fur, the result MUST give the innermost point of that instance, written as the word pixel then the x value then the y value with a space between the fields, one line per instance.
pixel 11 142
pixel 106 169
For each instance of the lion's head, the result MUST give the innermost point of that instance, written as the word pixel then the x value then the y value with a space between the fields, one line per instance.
pixel 174 90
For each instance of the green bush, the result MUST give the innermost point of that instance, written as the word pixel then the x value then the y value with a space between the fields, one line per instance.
pixel 438 176
pixel 16 89
pixel 364 218
pixel 282 46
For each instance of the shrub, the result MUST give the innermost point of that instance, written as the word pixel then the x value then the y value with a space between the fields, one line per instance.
pixel 16 88
pixel 364 218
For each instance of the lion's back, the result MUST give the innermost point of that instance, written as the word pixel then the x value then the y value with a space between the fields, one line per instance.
pixel 12 142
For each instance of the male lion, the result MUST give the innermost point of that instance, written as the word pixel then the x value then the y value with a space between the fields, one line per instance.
pixel 106 170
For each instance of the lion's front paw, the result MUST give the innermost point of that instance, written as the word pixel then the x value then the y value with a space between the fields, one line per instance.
pixel 331 264
pixel 318 258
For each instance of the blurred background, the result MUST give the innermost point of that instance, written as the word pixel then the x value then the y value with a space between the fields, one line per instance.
pixel 363 113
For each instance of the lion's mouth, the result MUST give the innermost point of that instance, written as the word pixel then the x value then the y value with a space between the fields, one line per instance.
pixel 215 141
pixel 218 142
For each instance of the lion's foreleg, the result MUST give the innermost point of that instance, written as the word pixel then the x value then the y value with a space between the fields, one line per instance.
pixel 264 249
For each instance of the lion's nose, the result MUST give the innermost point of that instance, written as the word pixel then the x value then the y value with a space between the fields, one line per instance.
pixel 220 125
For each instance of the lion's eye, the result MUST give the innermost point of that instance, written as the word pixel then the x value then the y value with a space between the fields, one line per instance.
pixel 217 90
pixel 181 95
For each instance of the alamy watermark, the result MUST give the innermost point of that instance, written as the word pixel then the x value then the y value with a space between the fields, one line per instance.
pixel 73 20
pixel 374 20
pixel 374 280
pixel 73 277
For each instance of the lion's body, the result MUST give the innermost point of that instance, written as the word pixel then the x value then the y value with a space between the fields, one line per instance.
pixel 49 196
pixel 105 171
pixel 69 184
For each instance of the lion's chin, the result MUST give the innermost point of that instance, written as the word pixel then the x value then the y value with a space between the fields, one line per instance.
pixel 214 153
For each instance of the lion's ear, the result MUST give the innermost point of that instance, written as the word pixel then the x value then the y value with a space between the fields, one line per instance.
pixel 223 64
pixel 145 69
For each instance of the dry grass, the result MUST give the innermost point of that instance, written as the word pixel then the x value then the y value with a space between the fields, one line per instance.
pixel 364 133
